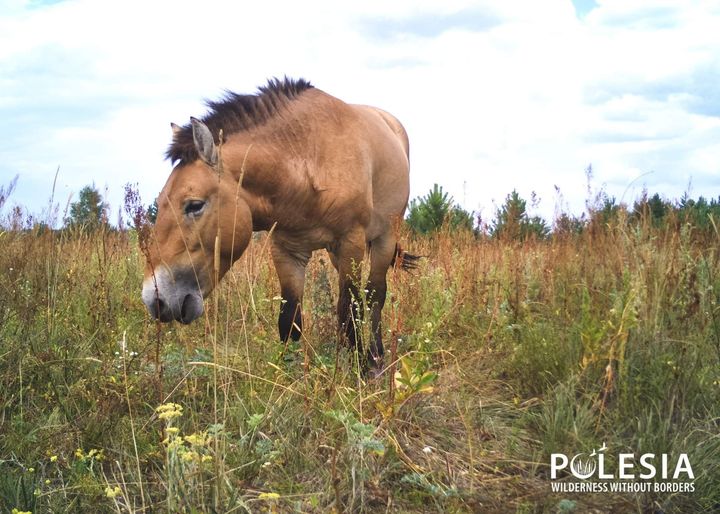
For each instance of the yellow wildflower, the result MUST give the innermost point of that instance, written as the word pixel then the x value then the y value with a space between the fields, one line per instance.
pixel 196 439
pixel 98 455
pixel 113 492
pixel 190 456
pixel 169 411
pixel 268 496
pixel 173 443
pixel 53 458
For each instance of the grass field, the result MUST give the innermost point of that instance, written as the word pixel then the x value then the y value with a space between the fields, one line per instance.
pixel 504 352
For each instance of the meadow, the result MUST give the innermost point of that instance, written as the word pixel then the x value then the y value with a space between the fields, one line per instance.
pixel 500 352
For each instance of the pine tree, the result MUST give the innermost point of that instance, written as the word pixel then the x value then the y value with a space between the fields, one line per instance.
pixel 89 212
pixel 512 221
pixel 429 213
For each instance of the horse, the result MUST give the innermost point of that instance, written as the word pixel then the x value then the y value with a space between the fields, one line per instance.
pixel 312 170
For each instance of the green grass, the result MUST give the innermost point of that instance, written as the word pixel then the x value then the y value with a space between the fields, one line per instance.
pixel 506 352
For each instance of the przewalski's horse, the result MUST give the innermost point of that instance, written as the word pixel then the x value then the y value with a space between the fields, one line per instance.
pixel 324 173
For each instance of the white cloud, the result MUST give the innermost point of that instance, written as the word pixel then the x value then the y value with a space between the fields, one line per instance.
pixel 495 95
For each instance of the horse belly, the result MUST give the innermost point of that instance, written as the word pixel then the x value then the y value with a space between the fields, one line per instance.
pixel 304 240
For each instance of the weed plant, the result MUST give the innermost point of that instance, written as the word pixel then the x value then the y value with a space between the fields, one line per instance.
pixel 499 353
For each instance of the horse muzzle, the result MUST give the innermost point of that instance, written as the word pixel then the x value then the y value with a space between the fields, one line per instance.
pixel 172 297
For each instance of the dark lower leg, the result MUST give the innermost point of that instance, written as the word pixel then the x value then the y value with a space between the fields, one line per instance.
pixel 350 252
pixel 290 319
pixel 381 257
pixel 290 267
pixel 349 314
pixel 377 292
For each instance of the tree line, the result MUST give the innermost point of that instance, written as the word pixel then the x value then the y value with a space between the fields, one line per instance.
pixel 512 220
pixel 437 211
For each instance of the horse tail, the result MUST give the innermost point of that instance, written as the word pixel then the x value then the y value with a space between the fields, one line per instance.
pixel 404 260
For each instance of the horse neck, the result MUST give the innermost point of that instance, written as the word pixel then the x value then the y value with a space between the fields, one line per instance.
pixel 266 178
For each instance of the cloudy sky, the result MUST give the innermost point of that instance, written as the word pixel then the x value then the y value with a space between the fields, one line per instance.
pixel 495 95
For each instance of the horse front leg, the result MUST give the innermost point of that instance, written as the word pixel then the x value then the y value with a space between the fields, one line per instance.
pixel 290 268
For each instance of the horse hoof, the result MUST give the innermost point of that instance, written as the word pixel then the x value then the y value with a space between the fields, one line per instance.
pixel 375 372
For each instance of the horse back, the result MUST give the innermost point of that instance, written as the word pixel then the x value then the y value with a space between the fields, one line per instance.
pixel 348 165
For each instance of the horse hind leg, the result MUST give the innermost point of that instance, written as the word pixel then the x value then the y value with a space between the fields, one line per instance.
pixel 382 254
pixel 348 255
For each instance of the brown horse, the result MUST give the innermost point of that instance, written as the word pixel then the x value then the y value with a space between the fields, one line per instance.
pixel 323 173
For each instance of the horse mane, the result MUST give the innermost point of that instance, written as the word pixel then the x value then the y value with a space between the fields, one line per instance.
pixel 235 113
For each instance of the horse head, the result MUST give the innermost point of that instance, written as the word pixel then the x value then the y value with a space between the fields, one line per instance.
pixel 203 225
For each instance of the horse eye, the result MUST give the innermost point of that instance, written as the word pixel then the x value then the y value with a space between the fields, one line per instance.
pixel 193 208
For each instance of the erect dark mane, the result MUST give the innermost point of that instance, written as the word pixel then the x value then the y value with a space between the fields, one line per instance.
pixel 234 113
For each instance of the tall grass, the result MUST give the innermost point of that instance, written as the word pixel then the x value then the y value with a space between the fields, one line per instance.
pixel 506 352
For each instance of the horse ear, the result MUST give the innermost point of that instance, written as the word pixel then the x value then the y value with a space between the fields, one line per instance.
pixel 175 129
pixel 204 142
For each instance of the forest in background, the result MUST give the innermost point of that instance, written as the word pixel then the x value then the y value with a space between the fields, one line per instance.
pixel 515 339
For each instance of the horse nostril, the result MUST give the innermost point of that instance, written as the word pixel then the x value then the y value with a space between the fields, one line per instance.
pixel 158 307
pixel 184 308
pixel 190 308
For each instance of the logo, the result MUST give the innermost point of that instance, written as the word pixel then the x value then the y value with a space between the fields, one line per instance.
pixel 632 473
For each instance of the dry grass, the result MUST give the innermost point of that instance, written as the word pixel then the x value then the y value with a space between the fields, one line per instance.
pixel 509 351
